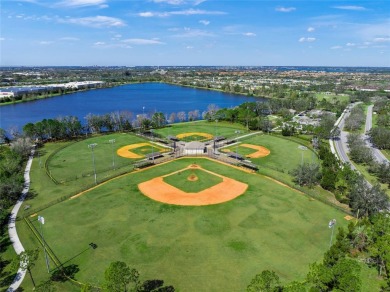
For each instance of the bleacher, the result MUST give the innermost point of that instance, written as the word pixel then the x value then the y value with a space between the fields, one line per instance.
pixel 249 165
pixel 153 155
pixel 235 155
pixel 219 138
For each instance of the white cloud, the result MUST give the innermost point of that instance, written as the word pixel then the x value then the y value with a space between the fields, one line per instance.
pixel 69 39
pixel 350 7
pixel 172 2
pixel 350 44
pixel 204 22
pixel 82 3
pixel 249 34
pixel 179 2
pixel 143 41
pixel 189 47
pixel 95 21
pixel 190 33
pixel 336 47
pixel 99 44
pixel 382 40
pixel 309 40
pixel 180 12
pixel 45 43
pixel 2 39
pixel 285 9
pixel 311 29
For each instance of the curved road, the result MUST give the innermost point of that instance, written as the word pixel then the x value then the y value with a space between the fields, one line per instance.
pixel 378 155
pixel 341 143
pixel 13 235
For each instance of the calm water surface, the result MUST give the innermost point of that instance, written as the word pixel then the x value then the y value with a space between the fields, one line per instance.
pixel 153 96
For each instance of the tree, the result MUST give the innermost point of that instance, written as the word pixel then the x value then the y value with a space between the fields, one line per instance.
pixel 307 174
pixel 22 146
pixel 158 120
pixel 380 137
pixel 325 127
pixel 3 136
pixel 267 281
pixel 26 260
pixel 172 118
pixel 118 276
pixel 365 200
pixel 181 116
pixel 46 287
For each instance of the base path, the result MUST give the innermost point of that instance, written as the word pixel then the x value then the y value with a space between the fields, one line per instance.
pixel 13 235
pixel 158 190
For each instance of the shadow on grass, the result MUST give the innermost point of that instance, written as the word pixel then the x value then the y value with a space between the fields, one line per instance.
pixel 62 275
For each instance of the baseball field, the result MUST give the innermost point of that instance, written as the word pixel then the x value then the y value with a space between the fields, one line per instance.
pixel 196 223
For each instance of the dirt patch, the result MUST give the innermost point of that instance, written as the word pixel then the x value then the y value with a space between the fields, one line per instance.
pixel 158 190
pixel 348 218
pixel 261 151
pixel 185 135
pixel 192 177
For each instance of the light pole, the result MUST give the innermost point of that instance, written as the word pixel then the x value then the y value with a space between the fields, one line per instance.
pixel 247 118
pixel 41 220
pixel 112 141
pixel 92 146
pixel 303 148
pixel 331 224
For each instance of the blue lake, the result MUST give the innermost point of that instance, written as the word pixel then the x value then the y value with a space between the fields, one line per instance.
pixel 150 96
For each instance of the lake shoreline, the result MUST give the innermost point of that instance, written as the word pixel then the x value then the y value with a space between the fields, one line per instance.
pixel 39 97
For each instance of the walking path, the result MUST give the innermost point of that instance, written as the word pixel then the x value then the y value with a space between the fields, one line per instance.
pixel 13 235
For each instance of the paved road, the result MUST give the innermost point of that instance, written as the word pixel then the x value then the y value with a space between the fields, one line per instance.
pixel 13 235
pixel 340 143
pixel 378 155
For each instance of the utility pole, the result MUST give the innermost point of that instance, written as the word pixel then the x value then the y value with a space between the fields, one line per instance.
pixel 92 146
pixel 41 220
pixel 112 141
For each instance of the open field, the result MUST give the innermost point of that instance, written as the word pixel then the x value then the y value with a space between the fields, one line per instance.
pixel 225 129
pixel 225 245
pixel 332 97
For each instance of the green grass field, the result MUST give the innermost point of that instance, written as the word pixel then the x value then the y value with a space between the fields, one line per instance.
pixel 203 180
pixel 284 157
pixel 210 248
pixel 225 245
pixel 66 166
pixel 225 129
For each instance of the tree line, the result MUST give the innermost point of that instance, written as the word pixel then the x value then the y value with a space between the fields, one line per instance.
pixel 364 242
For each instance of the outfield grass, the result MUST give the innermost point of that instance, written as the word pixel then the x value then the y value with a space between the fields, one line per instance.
pixel 148 149
pixel 225 129
pixel 285 154
pixel 203 180
pixel 210 248
pixel 75 161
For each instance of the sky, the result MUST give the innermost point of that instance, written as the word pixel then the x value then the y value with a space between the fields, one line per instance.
pixel 194 33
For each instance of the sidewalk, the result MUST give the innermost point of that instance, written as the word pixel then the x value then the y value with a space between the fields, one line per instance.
pixel 13 235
